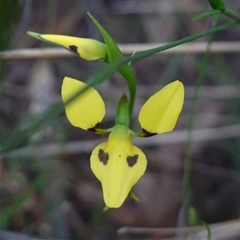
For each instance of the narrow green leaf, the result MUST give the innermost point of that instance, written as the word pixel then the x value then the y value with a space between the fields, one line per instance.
pixel 207 14
pixel 114 53
pixel 147 53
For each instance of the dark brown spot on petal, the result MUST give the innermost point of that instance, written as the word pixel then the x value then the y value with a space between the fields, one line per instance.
pixel 148 134
pixel 95 128
pixel 132 160
pixel 103 156
pixel 73 48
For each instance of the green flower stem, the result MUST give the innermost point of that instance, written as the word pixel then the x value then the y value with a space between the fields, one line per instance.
pixel 188 154
pixel 229 13
pixel 147 53
pixel 209 233
pixel 16 138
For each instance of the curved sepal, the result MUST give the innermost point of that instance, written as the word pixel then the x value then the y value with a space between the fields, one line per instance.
pixel 87 48
pixel 86 110
pixel 114 53
pixel 118 165
pixel 160 112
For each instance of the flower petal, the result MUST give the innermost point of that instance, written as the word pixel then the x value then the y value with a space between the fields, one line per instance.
pixel 161 111
pixel 118 166
pixel 88 49
pixel 86 110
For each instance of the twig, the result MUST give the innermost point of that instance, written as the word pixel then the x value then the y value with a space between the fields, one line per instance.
pixel 8 235
pixel 188 48
pixel 211 92
pixel 223 230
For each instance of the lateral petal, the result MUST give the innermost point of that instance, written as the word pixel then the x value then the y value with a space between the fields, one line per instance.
pixel 160 112
pixel 87 109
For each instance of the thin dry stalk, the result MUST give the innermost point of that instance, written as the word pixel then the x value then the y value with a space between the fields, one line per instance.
pixel 187 48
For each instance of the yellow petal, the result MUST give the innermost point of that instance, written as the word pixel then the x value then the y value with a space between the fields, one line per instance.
pixel 86 110
pixel 118 165
pixel 161 111
pixel 88 49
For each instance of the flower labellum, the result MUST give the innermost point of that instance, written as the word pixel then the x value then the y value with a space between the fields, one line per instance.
pixel 118 164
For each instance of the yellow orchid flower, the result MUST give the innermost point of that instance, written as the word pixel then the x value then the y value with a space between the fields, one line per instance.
pixel 117 163
pixel 87 48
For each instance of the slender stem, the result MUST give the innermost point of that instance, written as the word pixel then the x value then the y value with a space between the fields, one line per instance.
pixel 188 154
pixel 209 233
pixel 229 13
pixel 147 53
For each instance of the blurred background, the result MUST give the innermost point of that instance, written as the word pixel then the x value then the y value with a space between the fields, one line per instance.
pixel 47 188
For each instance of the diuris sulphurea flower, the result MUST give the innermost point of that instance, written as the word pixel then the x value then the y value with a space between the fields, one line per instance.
pixel 87 48
pixel 117 163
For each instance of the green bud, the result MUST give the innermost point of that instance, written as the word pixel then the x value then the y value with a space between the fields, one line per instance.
pixel 217 4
